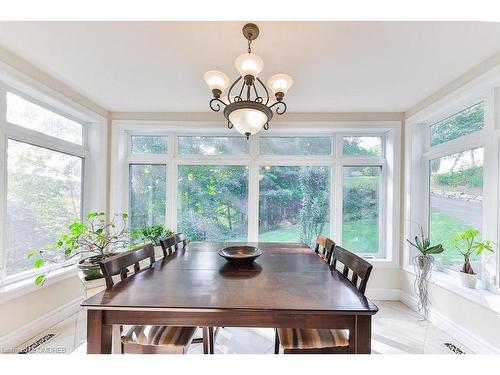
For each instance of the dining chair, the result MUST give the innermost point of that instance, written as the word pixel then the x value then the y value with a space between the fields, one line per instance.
pixel 173 243
pixel 304 340
pixel 324 248
pixel 145 339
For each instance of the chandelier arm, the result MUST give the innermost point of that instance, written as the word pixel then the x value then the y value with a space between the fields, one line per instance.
pixel 215 106
pixel 278 111
pixel 265 89
pixel 258 99
pixel 229 92
pixel 238 98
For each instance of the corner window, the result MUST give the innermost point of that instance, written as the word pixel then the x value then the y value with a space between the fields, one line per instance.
pixel 456 196
pixel 44 195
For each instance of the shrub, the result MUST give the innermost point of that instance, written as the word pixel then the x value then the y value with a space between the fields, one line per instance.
pixel 472 177
pixel 360 202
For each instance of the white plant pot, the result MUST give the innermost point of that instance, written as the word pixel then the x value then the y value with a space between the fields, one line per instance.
pixel 468 280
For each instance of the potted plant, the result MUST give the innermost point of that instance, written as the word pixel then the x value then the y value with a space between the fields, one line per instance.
pixel 92 238
pixel 152 234
pixel 422 264
pixel 467 245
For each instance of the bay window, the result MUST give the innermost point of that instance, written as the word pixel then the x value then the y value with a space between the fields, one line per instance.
pixel 270 188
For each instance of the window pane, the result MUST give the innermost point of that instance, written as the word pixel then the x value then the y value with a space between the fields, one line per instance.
pixel 455 202
pixel 148 205
pixel 29 115
pixel 468 121
pixel 149 144
pixel 362 146
pixel 361 209
pixel 213 146
pixel 295 146
pixel 212 202
pixel 294 204
pixel 44 194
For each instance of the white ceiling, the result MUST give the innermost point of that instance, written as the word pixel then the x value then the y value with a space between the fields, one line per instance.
pixel 336 66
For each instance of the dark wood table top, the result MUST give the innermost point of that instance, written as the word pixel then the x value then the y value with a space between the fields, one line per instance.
pixel 284 277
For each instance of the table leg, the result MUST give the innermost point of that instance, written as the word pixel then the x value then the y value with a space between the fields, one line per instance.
pixel 99 335
pixel 206 341
pixel 363 335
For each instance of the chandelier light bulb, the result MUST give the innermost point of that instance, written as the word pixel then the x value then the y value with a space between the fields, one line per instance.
pixel 249 64
pixel 216 81
pixel 280 83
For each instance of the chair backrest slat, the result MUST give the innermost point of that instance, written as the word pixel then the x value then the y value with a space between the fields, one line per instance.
pixel 359 267
pixel 120 263
pixel 180 241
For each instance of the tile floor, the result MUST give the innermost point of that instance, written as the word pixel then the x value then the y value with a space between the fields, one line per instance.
pixel 396 329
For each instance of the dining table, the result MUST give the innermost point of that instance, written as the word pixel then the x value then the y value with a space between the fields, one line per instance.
pixel 288 286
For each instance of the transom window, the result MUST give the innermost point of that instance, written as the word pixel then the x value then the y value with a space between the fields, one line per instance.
pixel 34 117
pixel 465 122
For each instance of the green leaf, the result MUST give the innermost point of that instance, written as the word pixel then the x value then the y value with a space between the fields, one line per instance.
pixel 31 254
pixel 40 279
pixel 39 262
pixel 437 249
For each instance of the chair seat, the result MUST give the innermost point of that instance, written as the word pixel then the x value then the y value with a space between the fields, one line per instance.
pixel 302 338
pixel 164 336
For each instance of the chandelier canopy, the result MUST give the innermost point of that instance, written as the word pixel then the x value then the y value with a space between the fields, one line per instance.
pixel 249 109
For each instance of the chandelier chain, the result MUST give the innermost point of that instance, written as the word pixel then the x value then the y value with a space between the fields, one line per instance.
pixel 249 46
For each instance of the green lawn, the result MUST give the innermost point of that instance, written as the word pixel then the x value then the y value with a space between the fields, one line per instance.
pixel 370 181
pixel 286 234
pixel 443 227
pixel 361 236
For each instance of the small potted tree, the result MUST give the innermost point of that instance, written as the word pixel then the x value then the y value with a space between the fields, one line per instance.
pixel 152 235
pixel 467 245
pixel 93 238
pixel 422 264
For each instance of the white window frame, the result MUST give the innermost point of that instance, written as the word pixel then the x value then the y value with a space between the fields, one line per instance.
pixel 419 153
pixel 388 131
pixel 38 139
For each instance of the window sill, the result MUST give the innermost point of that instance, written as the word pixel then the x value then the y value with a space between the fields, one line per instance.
pixel 382 262
pixel 19 288
pixel 450 282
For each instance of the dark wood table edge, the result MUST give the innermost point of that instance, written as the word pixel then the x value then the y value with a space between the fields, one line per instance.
pixel 100 322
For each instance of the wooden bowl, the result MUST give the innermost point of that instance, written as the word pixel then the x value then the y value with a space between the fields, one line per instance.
pixel 240 253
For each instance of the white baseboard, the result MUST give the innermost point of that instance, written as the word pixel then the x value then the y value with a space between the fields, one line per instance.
pixel 383 294
pixel 19 336
pixel 458 332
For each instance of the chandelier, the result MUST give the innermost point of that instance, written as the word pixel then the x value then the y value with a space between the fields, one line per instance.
pixel 249 109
